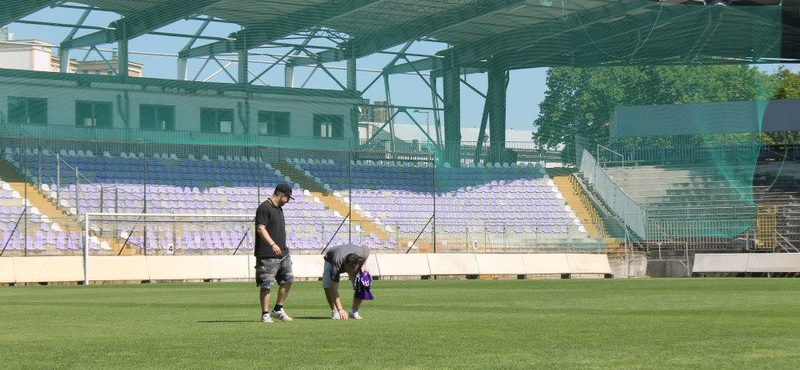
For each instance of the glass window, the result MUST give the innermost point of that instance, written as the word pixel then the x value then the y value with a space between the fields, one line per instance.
pixel 216 120
pixel 273 123
pixel 328 125
pixel 93 114
pixel 27 110
pixel 157 117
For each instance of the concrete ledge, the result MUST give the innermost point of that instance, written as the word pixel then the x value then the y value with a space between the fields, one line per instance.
pixel 229 267
pixel 588 264
pixel 48 269
pixel 774 262
pixel 107 268
pixel 372 266
pixel 7 270
pixel 546 264
pixel 178 268
pixel 307 266
pixel 500 264
pixel 453 264
pixel 733 262
pixel 133 268
pixel 402 264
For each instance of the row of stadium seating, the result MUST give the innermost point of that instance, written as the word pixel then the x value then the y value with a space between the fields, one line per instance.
pixel 396 197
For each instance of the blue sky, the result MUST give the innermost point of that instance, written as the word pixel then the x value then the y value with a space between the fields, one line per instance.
pixel 525 90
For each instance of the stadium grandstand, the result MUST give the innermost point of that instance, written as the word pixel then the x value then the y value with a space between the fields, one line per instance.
pixel 101 158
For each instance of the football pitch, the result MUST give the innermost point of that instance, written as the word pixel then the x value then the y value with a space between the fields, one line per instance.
pixel 428 324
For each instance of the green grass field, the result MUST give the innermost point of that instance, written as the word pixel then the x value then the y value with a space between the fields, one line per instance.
pixel 522 324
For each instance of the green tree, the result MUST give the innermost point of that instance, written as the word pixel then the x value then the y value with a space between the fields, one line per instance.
pixel 581 101
pixel 788 88
pixel 788 85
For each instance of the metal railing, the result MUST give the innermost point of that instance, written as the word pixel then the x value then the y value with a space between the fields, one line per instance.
pixel 632 214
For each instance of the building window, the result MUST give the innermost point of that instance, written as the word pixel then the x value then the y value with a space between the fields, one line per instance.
pixel 216 120
pixel 27 110
pixel 157 117
pixel 328 125
pixel 93 114
pixel 273 123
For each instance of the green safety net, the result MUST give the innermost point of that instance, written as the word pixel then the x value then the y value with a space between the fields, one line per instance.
pixel 675 142
pixel 656 107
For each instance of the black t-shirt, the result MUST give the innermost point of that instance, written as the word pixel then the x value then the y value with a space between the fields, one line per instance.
pixel 271 217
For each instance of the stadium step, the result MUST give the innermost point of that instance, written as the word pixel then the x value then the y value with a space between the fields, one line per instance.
pixel 36 198
pixel 368 225
pixel 298 177
pixel 579 202
pixel 615 248
pixel 333 203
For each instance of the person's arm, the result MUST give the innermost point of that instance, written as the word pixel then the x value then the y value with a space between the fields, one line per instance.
pixel 332 294
pixel 262 232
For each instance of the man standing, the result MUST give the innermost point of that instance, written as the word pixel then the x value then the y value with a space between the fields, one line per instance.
pixel 273 262
pixel 342 258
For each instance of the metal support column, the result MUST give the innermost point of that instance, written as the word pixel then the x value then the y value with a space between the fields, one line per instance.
pixel 182 63
pixel 497 114
pixel 452 113
pixel 243 78
pixel 352 86
pixel 63 63
pixel 122 59
pixel 288 76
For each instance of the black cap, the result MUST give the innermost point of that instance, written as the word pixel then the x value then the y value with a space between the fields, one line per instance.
pixel 285 189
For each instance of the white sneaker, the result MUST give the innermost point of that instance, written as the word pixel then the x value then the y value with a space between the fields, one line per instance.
pixel 280 315
pixel 355 315
pixel 265 318
pixel 335 315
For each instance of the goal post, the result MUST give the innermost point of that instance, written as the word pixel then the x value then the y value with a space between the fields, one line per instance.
pixel 166 233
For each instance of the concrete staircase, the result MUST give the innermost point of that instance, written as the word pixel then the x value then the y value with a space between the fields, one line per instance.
pixel 36 197
pixel 578 200
pixel 330 201
pixel 47 207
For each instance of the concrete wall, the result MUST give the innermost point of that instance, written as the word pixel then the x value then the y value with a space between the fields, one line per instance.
pixel 61 96
pixel 154 268
pixel 747 262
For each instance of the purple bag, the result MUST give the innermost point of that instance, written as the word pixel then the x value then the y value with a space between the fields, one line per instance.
pixel 363 285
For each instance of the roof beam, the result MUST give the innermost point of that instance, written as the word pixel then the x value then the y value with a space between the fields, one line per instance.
pixel 276 28
pixel 425 64
pixel 465 54
pixel 433 64
pixel 17 9
pixel 141 23
pixel 675 28
pixel 396 35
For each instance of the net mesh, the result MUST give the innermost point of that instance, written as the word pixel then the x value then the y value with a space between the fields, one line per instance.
pixel 649 127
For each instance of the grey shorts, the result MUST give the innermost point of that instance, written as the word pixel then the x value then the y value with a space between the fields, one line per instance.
pixel 270 270
pixel 326 276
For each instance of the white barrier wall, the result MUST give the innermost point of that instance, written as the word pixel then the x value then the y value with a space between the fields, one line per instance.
pixel 307 266
pixel 402 264
pixel 546 263
pixel 747 262
pixel 47 269
pixel 500 264
pixel 139 268
pixel 453 264
pixel 7 271
pixel 127 268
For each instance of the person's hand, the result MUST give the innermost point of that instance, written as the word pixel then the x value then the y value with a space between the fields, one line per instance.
pixel 277 250
pixel 343 315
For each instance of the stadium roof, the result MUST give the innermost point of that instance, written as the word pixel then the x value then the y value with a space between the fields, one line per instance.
pixel 514 33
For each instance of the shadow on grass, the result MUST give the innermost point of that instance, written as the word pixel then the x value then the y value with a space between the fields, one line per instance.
pixel 246 321
pixel 311 318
